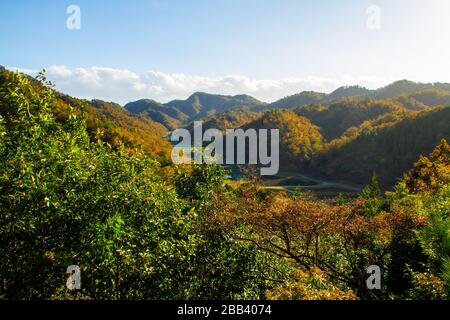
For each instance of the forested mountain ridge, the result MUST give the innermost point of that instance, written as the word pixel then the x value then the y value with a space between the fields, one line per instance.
pixel 170 117
pixel 387 146
pixel 179 112
pixel 423 94
pixel 201 104
pixel 339 116
pixel 299 138
pixel 297 100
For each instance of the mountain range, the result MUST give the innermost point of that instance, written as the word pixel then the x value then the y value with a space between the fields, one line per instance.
pixel 176 113
pixel 348 134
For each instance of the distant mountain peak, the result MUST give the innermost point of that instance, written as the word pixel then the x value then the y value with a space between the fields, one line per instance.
pixel 348 91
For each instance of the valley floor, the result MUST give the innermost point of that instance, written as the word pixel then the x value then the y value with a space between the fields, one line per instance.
pixel 290 181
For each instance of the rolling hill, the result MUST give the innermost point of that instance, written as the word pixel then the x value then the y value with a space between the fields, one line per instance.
pixel 117 124
pixel 387 148
pixel 339 116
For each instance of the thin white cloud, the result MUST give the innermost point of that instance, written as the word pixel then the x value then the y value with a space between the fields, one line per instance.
pixel 122 86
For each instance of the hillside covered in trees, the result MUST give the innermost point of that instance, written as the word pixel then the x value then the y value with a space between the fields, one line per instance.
pixel 387 146
pixel 113 123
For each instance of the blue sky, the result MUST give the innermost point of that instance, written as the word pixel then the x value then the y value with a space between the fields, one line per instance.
pixel 164 49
